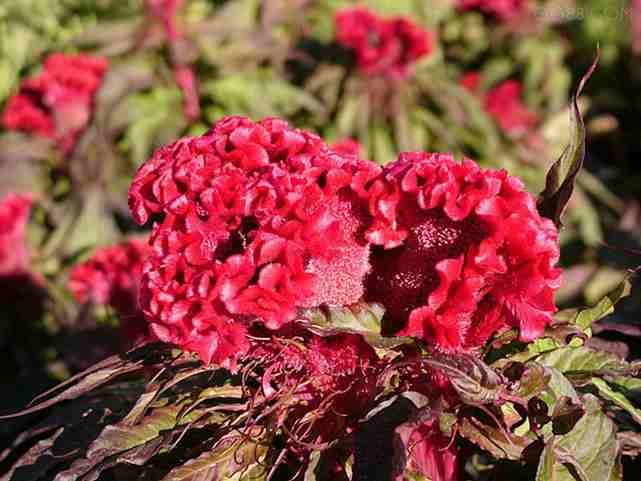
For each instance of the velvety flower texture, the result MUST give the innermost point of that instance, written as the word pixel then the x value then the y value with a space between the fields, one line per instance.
pixel 260 220
pixel 503 103
pixel 382 46
pixel 333 377
pixel 467 253
pixel 348 146
pixel 322 386
pixel 502 9
pixel 112 277
pixel 14 216
pixel 57 103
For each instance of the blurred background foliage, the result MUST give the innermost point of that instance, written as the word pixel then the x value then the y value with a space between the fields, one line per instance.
pixel 280 58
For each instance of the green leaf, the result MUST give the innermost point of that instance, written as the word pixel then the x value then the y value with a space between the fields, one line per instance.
pixel 558 389
pixel 581 363
pixel 121 437
pixel 360 318
pixel 152 118
pixel 586 317
pixel 534 380
pixel 545 470
pixel 565 415
pixel 474 381
pixel 627 383
pixel 234 454
pixel 572 454
pixel 561 177
pixel 493 440
pixel 617 398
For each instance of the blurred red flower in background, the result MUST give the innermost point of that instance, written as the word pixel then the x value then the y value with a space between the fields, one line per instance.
pixel 503 103
pixel 382 46
pixel 112 277
pixel 14 216
pixel 57 103
pixel 22 290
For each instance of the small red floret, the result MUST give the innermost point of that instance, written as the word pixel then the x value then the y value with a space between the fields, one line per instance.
pixel 112 277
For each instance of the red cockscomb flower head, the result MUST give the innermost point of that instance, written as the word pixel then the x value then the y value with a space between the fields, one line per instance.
pixel 463 253
pixel 257 220
pixel 382 46
pixel 429 452
pixel 502 9
pixel 503 103
pixel 335 377
pixel 112 277
pixel 57 102
pixel 348 146
pixel 14 216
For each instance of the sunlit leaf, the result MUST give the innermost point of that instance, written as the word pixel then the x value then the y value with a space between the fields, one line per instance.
pixel 564 457
pixel 562 175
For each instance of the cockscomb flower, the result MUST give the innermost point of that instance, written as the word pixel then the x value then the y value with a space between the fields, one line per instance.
pixel 502 9
pixel 112 277
pixel 256 221
pixel 461 253
pixel 348 146
pixel 57 103
pixel 382 46
pixel 503 103
pixel 334 377
pixel 14 216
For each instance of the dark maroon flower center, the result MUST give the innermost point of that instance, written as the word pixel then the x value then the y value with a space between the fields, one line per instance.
pixel 402 278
